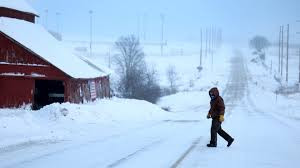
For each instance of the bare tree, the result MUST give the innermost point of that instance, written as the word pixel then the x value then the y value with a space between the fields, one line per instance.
pixel 136 81
pixel 259 43
pixel 172 77
pixel 150 89
pixel 130 56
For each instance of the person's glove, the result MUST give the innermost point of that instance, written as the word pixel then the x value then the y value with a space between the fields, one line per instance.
pixel 208 116
pixel 221 118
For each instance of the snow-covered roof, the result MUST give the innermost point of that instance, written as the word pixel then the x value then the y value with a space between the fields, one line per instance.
pixel 20 5
pixel 38 40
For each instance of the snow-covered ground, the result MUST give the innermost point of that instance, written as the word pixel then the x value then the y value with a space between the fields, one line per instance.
pixel 63 121
pixel 132 133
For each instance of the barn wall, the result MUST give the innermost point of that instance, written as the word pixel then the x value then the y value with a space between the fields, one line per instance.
pixel 79 90
pixel 19 68
pixel 17 14
pixel 103 87
pixel 75 92
pixel 16 59
pixel 16 91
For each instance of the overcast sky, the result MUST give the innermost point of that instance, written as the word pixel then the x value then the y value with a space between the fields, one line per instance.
pixel 239 19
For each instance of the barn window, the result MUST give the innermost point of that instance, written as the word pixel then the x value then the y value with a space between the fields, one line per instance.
pixel 47 92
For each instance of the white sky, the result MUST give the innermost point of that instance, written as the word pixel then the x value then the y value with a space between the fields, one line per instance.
pixel 239 20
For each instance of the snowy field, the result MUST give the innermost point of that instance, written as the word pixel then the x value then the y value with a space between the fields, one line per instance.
pixel 131 133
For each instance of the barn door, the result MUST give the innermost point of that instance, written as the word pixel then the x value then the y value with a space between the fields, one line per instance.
pixel 47 92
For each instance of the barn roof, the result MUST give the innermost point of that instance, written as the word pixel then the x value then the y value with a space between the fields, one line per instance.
pixel 19 5
pixel 37 39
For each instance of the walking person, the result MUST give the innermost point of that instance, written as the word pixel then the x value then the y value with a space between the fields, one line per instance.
pixel 216 112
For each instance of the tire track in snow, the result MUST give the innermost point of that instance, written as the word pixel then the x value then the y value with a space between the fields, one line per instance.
pixel 27 144
pixel 186 153
pixel 70 147
pixel 131 155
pixel 236 86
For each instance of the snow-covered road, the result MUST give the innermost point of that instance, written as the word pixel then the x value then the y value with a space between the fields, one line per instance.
pixel 154 146
pixel 261 139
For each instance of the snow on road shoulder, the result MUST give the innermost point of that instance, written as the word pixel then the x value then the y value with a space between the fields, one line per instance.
pixel 61 121
pixel 215 68
pixel 263 86
pixel 194 99
pixel 115 109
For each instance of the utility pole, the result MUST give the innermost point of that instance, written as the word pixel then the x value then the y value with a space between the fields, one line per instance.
pixel 144 26
pixel 279 53
pixel 211 50
pixel 162 17
pixel 219 38
pixel 282 42
pixel 215 37
pixel 287 53
pixel 109 57
pixel 91 30
pixel 299 56
pixel 299 66
pixel 271 67
pixel 212 39
pixel 46 18
pixel 138 27
pixel 201 48
pixel 209 40
pixel 57 22
pixel 206 35
pixel 298 22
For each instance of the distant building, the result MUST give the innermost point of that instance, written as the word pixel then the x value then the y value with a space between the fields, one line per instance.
pixel 37 69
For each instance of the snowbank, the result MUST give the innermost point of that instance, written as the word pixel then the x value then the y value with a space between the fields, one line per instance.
pixel 60 121
pixel 105 110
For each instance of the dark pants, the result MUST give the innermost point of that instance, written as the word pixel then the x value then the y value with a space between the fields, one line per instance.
pixel 216 128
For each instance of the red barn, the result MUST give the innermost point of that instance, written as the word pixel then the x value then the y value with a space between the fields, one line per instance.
pixel 37 69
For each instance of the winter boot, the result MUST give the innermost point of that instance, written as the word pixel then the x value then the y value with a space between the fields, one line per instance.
pixel 230 142
pixel 211 145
